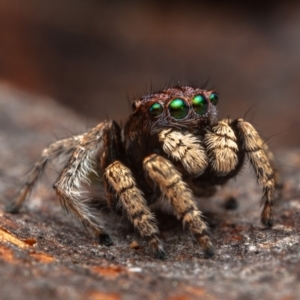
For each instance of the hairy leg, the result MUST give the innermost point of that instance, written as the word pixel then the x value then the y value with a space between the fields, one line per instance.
pixel 163 173
pixel 69 184
pixel 121 180
pixel 270 156
pixel 55 150
pixel 254 147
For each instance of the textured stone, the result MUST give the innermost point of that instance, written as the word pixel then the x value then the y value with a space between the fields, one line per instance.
pixel 45 254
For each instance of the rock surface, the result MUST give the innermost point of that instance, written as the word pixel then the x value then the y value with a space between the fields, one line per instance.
pixel 45 254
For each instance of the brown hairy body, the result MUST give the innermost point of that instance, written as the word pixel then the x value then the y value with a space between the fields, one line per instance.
pixel 171 148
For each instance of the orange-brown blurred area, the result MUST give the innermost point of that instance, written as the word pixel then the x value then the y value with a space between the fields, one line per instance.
pixel 91 55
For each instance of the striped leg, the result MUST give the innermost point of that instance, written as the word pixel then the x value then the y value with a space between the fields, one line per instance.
pixel 121 180
pixel 163 173
pixel 69 184
pixel 55 150
pixel 253 145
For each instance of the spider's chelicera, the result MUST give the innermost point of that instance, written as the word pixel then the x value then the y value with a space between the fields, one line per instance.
pixel 171 148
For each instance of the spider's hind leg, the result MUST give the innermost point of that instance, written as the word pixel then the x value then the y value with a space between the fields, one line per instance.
pixel 69 184
pixel 259 157
pixel 53 151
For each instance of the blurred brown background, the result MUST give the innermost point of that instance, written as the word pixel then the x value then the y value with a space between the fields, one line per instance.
pixel 91 55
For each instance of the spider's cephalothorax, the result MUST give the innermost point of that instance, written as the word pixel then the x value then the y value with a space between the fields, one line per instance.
pixel 171 148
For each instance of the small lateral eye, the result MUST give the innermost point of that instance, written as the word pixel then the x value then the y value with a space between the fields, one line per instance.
pixel 213 97
pixel 200 104
pixel 178 108
pixel 155 109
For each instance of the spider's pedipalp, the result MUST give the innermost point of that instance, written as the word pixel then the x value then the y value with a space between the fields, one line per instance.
pixel 53 151
pixel 221 148
pixel 121 179
pixel 254 147
pixel 164 174
pixel 186 148
pixel 76 173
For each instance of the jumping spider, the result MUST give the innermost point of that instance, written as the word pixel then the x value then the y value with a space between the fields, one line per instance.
pixel 171 148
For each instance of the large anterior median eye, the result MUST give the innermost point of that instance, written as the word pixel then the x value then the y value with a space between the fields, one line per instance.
pixel 178 108
pixel 200 104
pixel 155 109
pixel 213 97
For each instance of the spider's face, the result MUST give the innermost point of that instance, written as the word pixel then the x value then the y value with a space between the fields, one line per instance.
pixel 180 107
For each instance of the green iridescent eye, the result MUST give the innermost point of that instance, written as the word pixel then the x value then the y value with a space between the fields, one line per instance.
pixel 155 109
pixel 200 104
pixel 178 108
pixel 213 97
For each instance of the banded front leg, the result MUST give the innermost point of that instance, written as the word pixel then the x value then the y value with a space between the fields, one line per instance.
pixel 121 180
pixel 163 174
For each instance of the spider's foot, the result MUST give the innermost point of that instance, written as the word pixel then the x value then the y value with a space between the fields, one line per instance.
pixel 160 254
pixel 104 239
pixel 268 222
pixel 207 245
pixel 157 247
pixel 267 217
pixel 209 252
pixel 12 208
